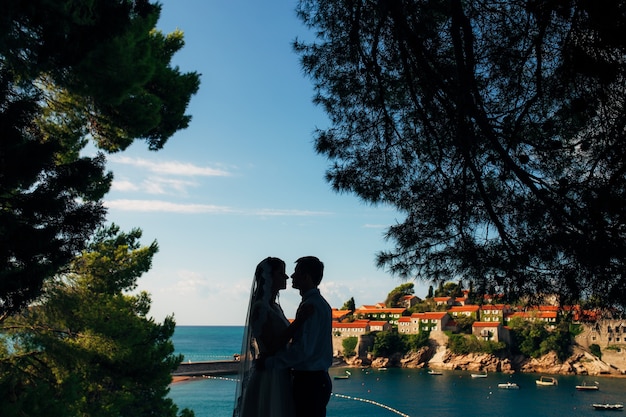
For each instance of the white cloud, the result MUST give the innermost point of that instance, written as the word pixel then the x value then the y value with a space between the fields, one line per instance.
pixel 166 207
pixel 169 207
pixel 375 226
pixel 164 185
pixel 170 168
pixel 191 285
pixel 154 185
pixel 336 293
pixel 123 185
pixel 282 212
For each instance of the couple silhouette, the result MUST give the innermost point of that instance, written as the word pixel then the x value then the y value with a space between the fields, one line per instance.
pixel 284 366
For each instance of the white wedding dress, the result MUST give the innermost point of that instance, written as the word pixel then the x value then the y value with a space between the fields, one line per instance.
pixel 261 392
pixel 268 392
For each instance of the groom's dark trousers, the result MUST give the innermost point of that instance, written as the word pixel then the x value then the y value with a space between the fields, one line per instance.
pixel 311 393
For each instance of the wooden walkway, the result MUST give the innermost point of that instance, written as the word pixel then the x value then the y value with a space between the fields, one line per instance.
pixel 208 368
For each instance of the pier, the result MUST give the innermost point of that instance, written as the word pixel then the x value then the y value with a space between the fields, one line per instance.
pixel 208 368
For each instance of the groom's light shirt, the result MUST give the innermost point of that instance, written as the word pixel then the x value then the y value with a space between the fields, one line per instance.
pixel 312 346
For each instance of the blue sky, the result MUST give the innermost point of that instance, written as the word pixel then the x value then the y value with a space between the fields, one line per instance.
pixel 243 182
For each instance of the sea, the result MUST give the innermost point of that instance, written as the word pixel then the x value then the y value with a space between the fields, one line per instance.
pixel 396 392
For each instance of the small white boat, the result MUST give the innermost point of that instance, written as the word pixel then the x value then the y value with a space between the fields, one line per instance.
pixel 346 376
pixel 479 375
pixel 508 385
pixel 546 381
pixel 433 372
pixel 615 407
pixel 585 387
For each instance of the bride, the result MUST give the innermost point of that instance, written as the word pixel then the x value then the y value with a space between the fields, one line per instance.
pixel 262 392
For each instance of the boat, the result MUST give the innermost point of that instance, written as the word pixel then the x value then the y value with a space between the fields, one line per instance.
pixel 341 377
pixel 546 381
pixel 479 375
pixel 508 385
pixel 585 387
pixel 433 372
pixel 615 407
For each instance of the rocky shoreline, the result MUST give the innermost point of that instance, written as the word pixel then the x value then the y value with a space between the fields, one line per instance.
pixel 580 362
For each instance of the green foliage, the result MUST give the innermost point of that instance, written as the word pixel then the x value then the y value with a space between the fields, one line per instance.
pixel 464 323
pixel 71 72
pixel 463 344
pixel 595 349
pixel 494 348
pixel 458 345
pixel 480 122
pixel 423 306
pixel 349 346
pixel 349 305
pixel 527 336
pixel 393 298
pixel 449 289
pixel 533 339
pixel 387 343
pixel 47 209
pixel 575 329
pixel 413 342
pixel 88 348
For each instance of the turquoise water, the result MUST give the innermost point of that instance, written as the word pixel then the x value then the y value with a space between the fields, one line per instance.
pixel 207 343
pixel 415 393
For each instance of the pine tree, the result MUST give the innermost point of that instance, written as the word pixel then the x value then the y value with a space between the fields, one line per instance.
pixel 496 129
pixel 70 72
pixel 89 348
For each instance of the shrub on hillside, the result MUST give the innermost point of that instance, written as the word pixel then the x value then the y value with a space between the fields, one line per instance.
pixel 533 339
pixel 595 349
pixel 387 343
pixel 414 342
pixel 460 344
pixel 349 346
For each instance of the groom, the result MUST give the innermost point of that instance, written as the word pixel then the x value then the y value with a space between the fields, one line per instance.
pixel 310 353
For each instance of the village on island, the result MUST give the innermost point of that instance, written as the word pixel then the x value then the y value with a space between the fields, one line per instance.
pixel 451 328
pixel 454 329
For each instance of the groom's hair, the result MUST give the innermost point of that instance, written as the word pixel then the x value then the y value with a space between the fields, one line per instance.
pixel 312 266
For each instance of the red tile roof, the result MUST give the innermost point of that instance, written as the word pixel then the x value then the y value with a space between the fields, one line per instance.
pixel 355 325
pixel 486 324
pixel 337 314
pixel 534 314
pixel 398 310
pixel 493 307
pixel 548 308
pixel 431 315
pixel 470 308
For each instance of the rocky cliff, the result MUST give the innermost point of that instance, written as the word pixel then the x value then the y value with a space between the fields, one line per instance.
pixel 435 356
